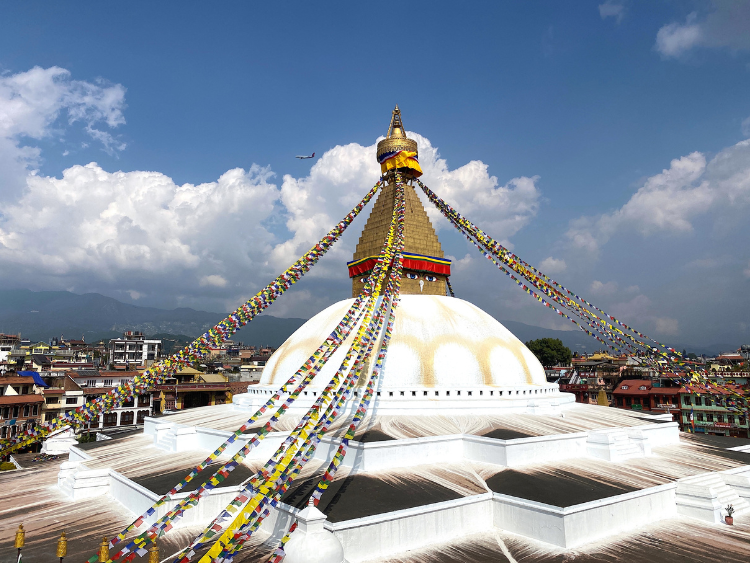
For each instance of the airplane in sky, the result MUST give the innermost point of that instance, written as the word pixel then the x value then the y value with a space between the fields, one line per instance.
pixel 304 157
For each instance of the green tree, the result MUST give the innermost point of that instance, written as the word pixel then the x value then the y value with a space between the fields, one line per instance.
pixel 550 351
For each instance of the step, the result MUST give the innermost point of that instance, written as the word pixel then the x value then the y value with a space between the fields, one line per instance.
pixel 705 497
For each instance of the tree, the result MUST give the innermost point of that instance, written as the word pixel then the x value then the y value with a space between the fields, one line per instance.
pixel 550 351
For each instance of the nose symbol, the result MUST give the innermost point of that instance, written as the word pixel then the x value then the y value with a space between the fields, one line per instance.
pixel 421 285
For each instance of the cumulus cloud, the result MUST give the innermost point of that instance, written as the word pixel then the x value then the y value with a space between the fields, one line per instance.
pixel 98 230
pixel 214 280
pixel 139 234
pixel 667 326
pixel 641 309
pixel 612 10
pixel 601 288
pixel 552 265
pixel 671 200
pixel 35 102
pixel 745 127
pixel 726 25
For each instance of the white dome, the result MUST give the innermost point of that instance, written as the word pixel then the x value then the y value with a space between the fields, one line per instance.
pixel 437 342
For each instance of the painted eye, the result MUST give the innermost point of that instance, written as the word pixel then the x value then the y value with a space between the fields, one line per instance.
pixel 412 276
pixel 363 280
pixel 430 278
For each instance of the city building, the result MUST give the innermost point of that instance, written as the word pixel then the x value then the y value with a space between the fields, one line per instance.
pixel 62 394
pixel 192 388
pixel 712 413
pixel 133 350
pixel 20 403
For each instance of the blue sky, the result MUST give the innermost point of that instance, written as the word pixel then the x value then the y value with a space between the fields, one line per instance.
pixel 588 102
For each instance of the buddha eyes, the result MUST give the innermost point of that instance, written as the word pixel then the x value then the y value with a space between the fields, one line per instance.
pixel 412 276
pixel 363 280
pixel 430 278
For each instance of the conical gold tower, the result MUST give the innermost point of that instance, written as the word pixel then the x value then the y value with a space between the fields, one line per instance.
pixel 425 268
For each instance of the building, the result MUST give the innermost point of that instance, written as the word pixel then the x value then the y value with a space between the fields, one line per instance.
pixel 94 383
pixel 62 394
pixel 192 388
pixel 20 403
pixel 252 367
pixel 712 413
pixel 8 342
pixel 643 395
pixel 133 350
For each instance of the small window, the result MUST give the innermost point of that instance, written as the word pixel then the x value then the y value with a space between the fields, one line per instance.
pixel 686 400
pixel 624 387
pixel 413 393
pixel 458 392
pixel 491 393
pixel 378 393
pixel 642 388
pixel 71 401
pixel 108 383
pixel 424 393
pixel 481 392
pixel 437 393
pixel 402 393
pixel 469 392
pixel 390 393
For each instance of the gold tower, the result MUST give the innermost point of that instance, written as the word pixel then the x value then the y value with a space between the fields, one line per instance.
pixel 425 268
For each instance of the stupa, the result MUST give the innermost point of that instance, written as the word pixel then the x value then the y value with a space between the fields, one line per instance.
pixel 446 355
pixel 467 452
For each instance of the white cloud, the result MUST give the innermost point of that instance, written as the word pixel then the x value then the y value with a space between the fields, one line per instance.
pixel 674 39
pixel 601 288
pixel 552 265
pixel 667 326
pixel 671 200
pixel 31 105
pixel 213 280
pixel 97 230
pixel 745 127
pixel 612 10
pixel 726 25
pixel 140 234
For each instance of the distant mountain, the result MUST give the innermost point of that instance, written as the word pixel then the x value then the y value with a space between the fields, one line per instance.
pixel 579 341
pixel 40 315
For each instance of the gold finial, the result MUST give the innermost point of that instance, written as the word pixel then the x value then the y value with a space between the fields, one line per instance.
pixel 20 537
pixel 104 551
pixel 396 139
pixel 62 546
pixel 396 128
pixel 153 553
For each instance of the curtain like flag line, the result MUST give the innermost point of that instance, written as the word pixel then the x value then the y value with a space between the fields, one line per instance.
pixel 197 349
pixel 359 347
pixel 166 522
pixel 661 358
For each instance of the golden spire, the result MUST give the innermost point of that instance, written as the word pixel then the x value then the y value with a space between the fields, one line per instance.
pixel 396 128
pixel 397 151
pixel 20 537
